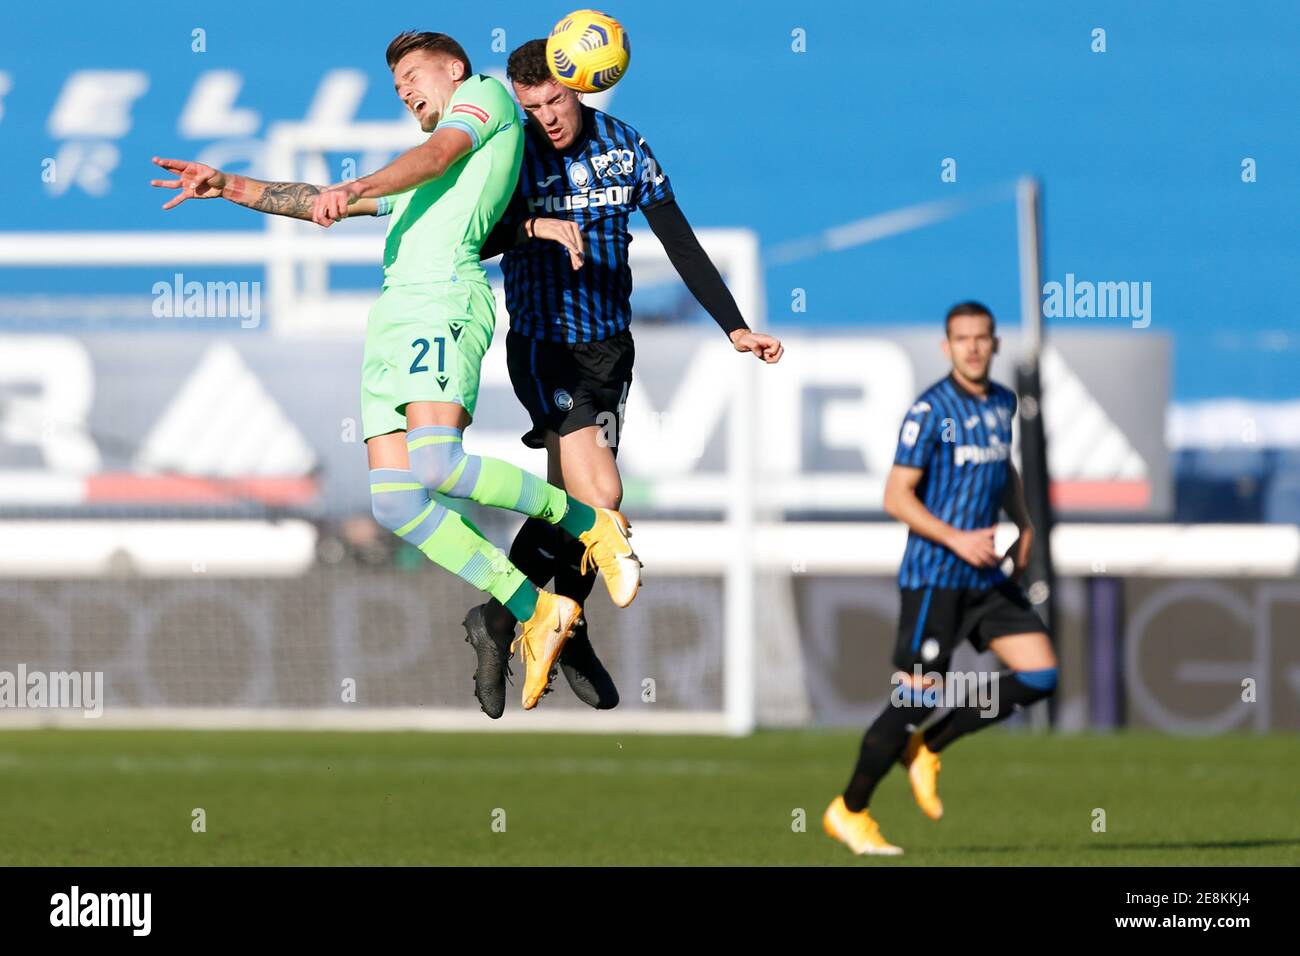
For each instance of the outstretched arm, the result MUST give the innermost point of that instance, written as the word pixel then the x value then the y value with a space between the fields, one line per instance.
pixel 701 276
pixel 197 181
pixel 413 168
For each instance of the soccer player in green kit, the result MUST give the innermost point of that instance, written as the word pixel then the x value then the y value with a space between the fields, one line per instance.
pixel 427 334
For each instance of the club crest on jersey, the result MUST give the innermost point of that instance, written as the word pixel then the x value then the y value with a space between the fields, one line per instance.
pixel 470 109
pixel 563 400
pixel 578 175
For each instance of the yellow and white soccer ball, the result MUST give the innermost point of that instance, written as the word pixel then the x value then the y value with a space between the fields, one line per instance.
pixel 588 51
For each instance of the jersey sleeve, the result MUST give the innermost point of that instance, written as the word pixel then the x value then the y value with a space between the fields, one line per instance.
pixel 502 237
pixel 516 210
pixel 481 112
pixel 384 205
pixel 653 187
pixel 917 438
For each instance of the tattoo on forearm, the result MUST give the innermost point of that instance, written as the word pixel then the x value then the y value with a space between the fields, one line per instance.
pixel 287 199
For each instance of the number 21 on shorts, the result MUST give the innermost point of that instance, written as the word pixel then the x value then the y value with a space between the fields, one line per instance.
pixel 421 347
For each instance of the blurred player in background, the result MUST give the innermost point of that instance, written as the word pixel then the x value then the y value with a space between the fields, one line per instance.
pixel 952 473
pixel 569 348
pixel 427 334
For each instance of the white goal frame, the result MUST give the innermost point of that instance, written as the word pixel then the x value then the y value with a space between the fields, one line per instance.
pixel 297 257
pixel 743 545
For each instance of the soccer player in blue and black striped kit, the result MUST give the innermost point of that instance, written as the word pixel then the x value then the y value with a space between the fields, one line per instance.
pixel 569 349
pixel 952 475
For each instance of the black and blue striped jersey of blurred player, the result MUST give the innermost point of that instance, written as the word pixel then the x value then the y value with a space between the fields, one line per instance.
pixel 569 348
pixel 952 475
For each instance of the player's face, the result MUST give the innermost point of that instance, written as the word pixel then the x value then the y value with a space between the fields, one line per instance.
pixel 971 345
pixel 555 111
pixel 425 83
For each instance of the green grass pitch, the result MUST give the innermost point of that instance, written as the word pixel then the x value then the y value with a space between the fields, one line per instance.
pixel 126 798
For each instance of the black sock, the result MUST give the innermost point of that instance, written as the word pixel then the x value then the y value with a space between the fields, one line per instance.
pixel 882 745
pixel 569 581
pixel 533 552
pixel 1015 690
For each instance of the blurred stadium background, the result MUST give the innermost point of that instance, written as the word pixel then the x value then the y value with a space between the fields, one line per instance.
pixel 183 502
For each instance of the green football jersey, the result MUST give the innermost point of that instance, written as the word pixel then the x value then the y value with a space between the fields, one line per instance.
pixel 436 230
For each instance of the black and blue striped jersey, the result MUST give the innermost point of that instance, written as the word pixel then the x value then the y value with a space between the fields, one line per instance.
pixel 598 181
pixel 962 442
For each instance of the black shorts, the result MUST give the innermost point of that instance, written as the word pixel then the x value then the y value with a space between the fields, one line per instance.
pixel 570 386
pixel 933 621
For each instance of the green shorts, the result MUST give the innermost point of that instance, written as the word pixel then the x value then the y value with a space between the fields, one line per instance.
pixel 424 344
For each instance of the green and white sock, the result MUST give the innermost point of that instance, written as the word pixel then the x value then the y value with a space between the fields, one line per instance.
pixel 438 458
pixel 402 505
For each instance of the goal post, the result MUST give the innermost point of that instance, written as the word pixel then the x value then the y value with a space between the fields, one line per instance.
pixel 213 618
pixel 1040 576
pixel 715 661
